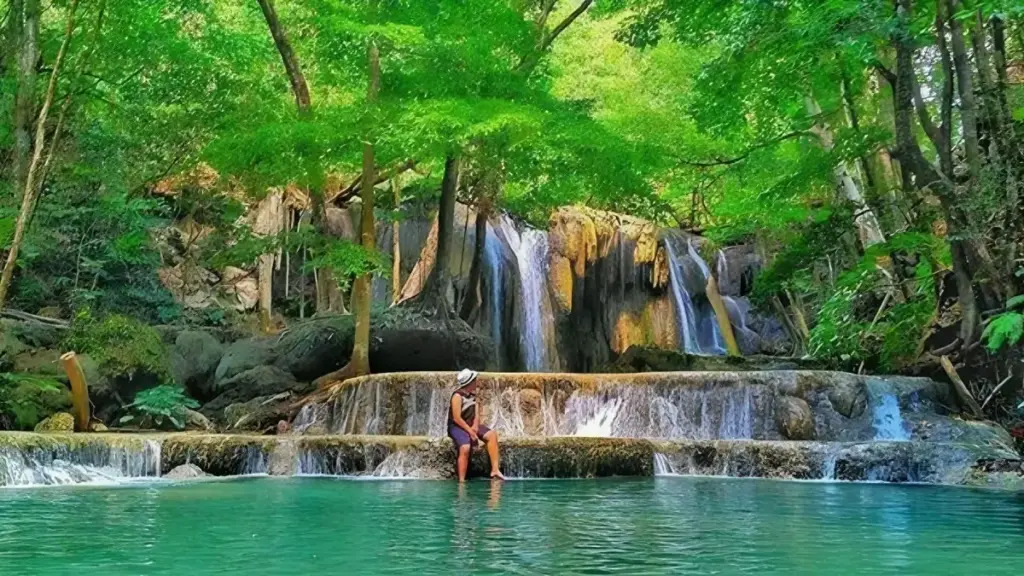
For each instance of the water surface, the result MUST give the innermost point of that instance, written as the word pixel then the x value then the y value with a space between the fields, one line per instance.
pixel 636 526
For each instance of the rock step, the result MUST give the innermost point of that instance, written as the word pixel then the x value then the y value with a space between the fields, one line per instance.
pixel 547 457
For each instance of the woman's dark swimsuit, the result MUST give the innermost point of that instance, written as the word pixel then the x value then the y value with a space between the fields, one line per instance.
pixel 455 432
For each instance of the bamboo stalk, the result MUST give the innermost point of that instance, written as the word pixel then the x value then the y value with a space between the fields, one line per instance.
pixel 723 316
pixel 79 390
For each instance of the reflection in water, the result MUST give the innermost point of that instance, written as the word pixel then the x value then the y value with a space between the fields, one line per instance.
pixel 495 497
pixel 636 526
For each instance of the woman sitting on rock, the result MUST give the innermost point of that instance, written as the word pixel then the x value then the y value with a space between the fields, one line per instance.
pixel 465 429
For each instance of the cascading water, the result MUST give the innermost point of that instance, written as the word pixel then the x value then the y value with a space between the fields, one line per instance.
pixel 709 323
pixel 81 464
pixel 700 332
pixel 495 263
pixel 536 321
pixel 887 419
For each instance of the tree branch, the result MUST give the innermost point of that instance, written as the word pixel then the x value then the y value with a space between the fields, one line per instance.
pixel 747 152
pixel 352 189
pixel 565 24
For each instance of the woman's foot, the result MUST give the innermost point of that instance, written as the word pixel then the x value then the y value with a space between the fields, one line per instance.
pixel 497 475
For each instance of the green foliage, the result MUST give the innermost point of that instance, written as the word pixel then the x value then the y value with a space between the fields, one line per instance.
pixel 1005 329
pixel 856 324
pixel 348 260
pixel 160 407
pixel 122 346
pixel 27 399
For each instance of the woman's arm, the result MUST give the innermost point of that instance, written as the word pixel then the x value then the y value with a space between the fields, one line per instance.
pixel 457 416
pixel 477 417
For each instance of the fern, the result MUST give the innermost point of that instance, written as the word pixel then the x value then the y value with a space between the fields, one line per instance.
pixel 1005 329
pixel 159 407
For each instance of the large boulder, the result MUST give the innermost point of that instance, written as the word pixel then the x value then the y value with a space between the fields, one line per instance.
pixel 185 472
pixel 312 349
pixel 194 359
pixel 261 381
pixel 259 414
pixel 242 356
pixel 417 350
pixel 794 419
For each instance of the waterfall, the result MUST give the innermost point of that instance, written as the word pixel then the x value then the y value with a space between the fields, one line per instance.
pixel 700 332
pixel 663 466
pixel 600 424
pixel 536 321
pixel 717 340
pixel 684 304
pixel 60 464
pixel 887 420
pixel 495 262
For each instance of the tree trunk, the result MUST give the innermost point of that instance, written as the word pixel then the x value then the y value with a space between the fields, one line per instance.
pixel 868 228
pixel 471 301
pixel 79 390
pixel 324 279
pixel 362 298
pixel 268 222
pixel 291 63
pixel 439 283
pixel 965 86
pixel 417 279
pixel 924 174
pixel 30 189
pixel 396 247
pixel 722 317
pixel 26 25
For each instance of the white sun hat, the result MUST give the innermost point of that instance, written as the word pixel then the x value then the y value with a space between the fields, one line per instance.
pixel 466 377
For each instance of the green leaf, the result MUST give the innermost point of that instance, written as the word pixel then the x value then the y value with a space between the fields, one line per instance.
pixel 1015 302
pixel 1005 329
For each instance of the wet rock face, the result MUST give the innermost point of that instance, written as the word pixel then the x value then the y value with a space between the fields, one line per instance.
pixel 794 419
pixel 649 359
pixel 848 398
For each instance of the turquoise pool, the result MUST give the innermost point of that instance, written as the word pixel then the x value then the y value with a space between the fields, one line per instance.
pixel 641 526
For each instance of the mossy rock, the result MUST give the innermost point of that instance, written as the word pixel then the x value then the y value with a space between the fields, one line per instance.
pixel 61 422
pixel 123 347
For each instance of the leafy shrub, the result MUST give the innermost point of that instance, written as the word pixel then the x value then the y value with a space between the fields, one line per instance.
pixel 26 399
pixel 122 346
pixel 1005 329
pixel 160 407
pixel 853 326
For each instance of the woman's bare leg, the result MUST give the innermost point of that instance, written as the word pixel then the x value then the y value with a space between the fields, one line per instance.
pixel 462 464
pixel 492 452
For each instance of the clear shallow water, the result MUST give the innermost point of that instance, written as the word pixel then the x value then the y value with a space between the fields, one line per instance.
pixel 641 526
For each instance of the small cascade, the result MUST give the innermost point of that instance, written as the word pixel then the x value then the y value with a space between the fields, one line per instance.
pixel 828 467
pixel 254 462
pixel 99 463
pixel 495 263
pixel 536 320
pixel 709 324
pixel 600 423
pixel 887 419
pixel 698 326
pixel 663 465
